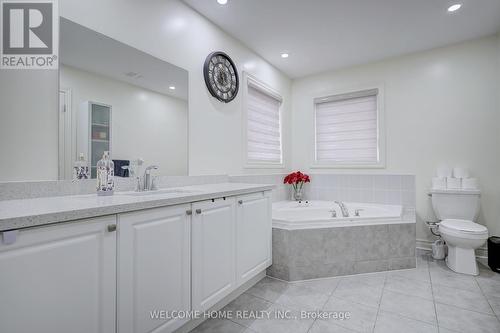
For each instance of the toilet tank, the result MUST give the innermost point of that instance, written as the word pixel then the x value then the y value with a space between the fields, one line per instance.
pixel 456 204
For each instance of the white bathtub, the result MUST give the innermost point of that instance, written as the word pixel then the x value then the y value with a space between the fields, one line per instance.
pixel 318 214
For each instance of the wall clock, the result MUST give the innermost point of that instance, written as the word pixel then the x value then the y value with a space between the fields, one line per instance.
pixel 221 76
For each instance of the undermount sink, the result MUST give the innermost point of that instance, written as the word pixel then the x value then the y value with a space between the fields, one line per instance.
pixel 161 191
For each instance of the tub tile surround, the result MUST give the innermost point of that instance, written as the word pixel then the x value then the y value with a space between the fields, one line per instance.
pixel 327 252
pixel 382 189
pixel 409 300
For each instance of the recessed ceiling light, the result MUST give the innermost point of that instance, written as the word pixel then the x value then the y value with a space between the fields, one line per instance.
pixel 454 7
pixel 171 87
pixel 285 55
pixel 222 2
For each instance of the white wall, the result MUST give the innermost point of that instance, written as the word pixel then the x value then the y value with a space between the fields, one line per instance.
pixel 28 125
pixel 167 29
pixel 145 124
pixel 170 30
pixel 441 106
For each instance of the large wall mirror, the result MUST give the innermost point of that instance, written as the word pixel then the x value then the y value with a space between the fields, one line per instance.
pixel 115 98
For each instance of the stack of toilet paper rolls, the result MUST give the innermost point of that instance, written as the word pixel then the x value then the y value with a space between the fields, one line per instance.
pixel 454 179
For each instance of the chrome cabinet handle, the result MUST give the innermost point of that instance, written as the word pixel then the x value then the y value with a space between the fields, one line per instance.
pixel 189 212
pixel 198 211
pixel 111 227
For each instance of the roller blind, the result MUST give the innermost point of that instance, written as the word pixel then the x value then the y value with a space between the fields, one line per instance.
pixel 263 127
pixel 347 128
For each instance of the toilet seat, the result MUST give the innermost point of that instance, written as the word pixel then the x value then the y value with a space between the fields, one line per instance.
pixel 463 228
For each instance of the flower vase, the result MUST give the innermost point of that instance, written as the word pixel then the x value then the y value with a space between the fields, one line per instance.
pixel 297 180
pixel 298 193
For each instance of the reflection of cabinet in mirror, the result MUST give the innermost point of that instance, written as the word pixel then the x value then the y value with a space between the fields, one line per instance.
pixel 94 132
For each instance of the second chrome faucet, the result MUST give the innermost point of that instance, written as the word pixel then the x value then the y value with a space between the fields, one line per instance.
pixel 147 183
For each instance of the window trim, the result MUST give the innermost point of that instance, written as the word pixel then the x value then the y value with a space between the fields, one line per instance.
pixel 380 129
pixel 250 80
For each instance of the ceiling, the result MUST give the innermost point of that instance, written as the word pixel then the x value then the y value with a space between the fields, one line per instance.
pixel 88 50
pixel 324 35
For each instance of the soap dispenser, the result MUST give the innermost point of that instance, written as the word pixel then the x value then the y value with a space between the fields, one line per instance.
pixel 105 175
pixel 81 168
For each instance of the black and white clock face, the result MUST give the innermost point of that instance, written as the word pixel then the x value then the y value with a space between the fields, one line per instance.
pixel 221 76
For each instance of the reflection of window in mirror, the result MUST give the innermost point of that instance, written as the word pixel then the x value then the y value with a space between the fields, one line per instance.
pixel 118 99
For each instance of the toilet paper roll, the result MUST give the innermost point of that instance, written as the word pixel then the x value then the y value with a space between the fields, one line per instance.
pixel 460 172
pixel 444 171
pixel 453 183
pixel 438 183
pixel 470 184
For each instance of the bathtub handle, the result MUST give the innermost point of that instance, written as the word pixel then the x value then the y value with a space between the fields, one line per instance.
pixel 356 212
pixel 240 202
pixel 334 213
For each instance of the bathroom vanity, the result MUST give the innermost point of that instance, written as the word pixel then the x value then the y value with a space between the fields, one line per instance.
pixel 123 263
pixel 134 256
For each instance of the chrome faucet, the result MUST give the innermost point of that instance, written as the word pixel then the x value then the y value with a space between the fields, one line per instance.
pixel 147 183
pixel 343 208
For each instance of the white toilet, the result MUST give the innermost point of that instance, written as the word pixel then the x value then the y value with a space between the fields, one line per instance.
pixel 457 209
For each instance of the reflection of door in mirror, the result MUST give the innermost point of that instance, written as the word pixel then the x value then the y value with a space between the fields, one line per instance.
pixel 65 134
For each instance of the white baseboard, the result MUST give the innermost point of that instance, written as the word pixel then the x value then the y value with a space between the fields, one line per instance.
pixel 425 244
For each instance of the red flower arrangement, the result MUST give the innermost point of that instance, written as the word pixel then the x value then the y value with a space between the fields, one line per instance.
pixel 297 180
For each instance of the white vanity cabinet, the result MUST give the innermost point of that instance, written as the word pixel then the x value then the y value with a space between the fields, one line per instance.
pixel 253 237
pixel 153 268
pixel 231 244
pixel 214 251
pixel 60 278
pixel 133 272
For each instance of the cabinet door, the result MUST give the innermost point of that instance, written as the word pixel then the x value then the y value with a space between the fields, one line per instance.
pixel 153 269
pixel 60 279
pixel 254 227
pixel 214 248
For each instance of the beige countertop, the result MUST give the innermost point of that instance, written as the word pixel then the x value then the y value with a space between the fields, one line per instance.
pixel 23 213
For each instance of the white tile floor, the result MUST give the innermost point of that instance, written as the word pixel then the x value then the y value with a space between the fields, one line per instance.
pixel 430 298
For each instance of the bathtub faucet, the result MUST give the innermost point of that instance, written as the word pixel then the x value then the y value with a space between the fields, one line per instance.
pixel 343 208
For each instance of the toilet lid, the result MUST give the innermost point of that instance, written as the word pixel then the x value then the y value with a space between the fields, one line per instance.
pixel 463 226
